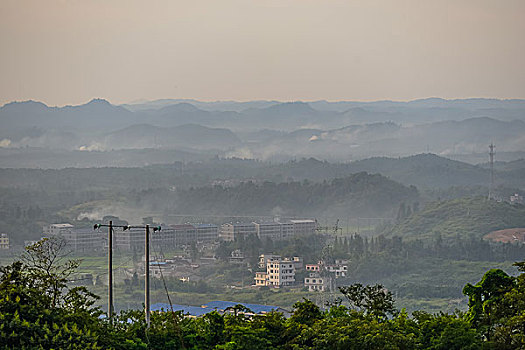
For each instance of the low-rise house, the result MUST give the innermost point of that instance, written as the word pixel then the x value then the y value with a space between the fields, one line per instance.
pixel 237 257
pixel 317 283
pixel 516 199
pixel 337 270
pixel 261 279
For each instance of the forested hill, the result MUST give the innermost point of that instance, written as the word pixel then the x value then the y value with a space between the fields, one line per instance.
pixel 358 195
pixel 426 171
pixel 464 217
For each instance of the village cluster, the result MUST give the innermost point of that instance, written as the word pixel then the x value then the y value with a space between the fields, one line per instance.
pixel 272 271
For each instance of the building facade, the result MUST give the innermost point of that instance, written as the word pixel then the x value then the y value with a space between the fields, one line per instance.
pixel 77 239
pixel 279 273
pixel 4 241
pixel 234 231
pixel 317 283
pixel 206 233
pixel 268 230
pixel 303 227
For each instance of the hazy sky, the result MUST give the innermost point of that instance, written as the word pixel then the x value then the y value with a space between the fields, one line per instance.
pixel 69 51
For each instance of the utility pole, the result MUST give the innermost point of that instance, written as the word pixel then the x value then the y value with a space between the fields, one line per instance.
pixel 110 271
pixel 146 277
pixel 147 307
pixel 491 154
pixel 110 266
pixel 110 227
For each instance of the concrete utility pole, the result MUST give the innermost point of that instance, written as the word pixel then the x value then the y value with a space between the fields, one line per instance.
pixel 146 277
pixel 491 154
pixel 110 227
pixel 110 271
pixel 146 266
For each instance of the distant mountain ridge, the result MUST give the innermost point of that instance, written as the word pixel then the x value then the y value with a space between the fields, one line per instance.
pixel 184 136
pixel 336 131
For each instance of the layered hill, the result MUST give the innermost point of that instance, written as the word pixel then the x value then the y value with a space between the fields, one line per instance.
pixel 275 131
pixel 357 195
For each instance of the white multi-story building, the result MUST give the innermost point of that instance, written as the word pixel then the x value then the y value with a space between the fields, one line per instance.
pixel 86 240
pixel 279 273
pixel 77 239
pixel 316 282
pixel 4 241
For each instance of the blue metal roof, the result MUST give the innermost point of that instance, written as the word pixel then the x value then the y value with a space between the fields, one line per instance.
pixel 186 309
pixel 217 305
pixel 256 308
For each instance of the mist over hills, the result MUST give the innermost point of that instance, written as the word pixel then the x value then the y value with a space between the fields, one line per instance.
pixel 272 130
pixel 426 171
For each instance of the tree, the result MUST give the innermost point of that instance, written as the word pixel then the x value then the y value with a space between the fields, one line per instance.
pixel 39 310
pixel 510 333
pixel 47 264
pixel 305 312
pixel 373 300
pixel 485 299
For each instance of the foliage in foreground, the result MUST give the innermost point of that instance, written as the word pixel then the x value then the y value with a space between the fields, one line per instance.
pixel 39 310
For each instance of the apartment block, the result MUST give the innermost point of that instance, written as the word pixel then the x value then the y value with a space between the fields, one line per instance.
pixel 86 240
pixel 133 239
pixel 287 231
pixel 77 239
pixel 184 234
pixel 206 233
pixel 233 231
pixel 268 230
pixel 303 227
pixel 279 272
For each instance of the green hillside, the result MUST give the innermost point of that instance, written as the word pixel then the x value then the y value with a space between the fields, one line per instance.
pixel 465 217
pixel 357 195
